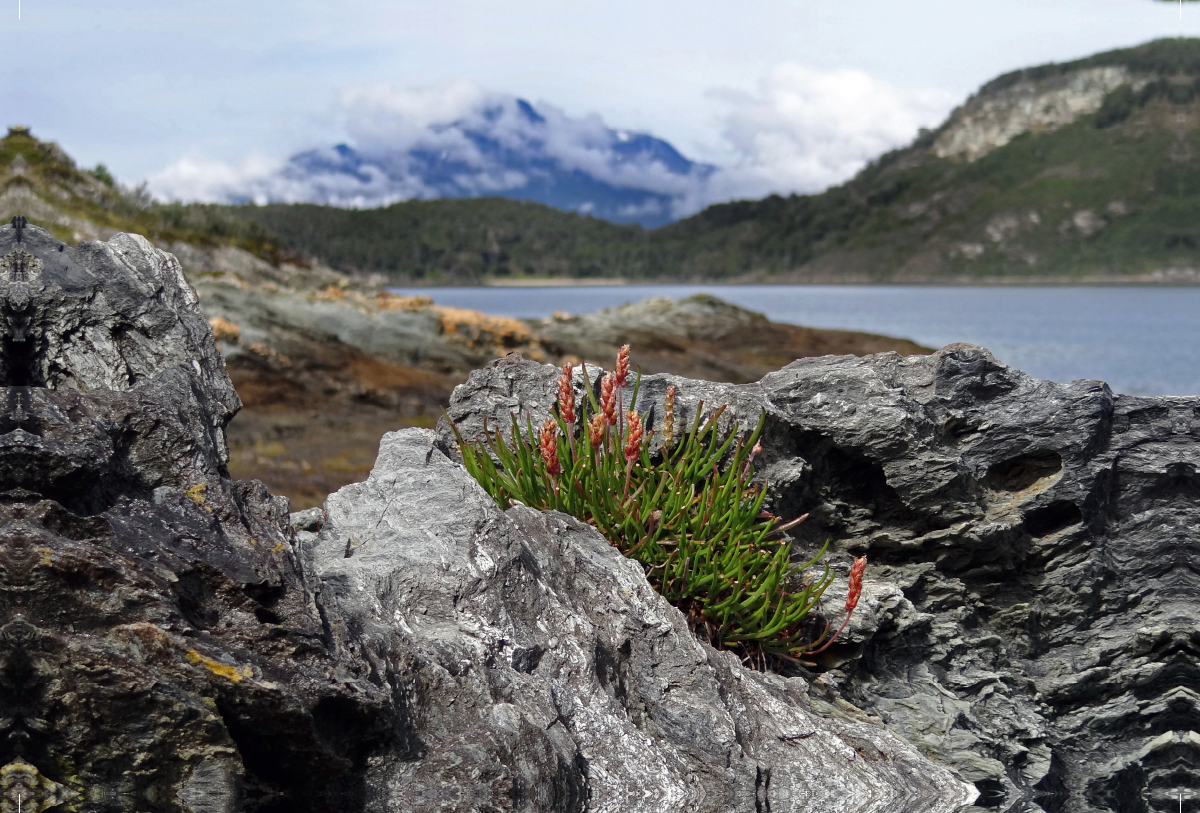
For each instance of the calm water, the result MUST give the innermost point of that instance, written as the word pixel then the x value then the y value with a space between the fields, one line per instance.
pixel 1142 341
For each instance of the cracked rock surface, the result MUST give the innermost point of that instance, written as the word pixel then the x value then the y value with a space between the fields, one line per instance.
pixel 171 640
pixel 550 676
pixel 160 648
pixel 1029 617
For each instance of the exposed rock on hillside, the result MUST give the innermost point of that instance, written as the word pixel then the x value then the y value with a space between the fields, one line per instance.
pixel 165 643
pixel 1030 606
pixel 991 120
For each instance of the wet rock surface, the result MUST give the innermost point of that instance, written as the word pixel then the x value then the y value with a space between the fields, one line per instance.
pixel 1030 610
pixel 172 640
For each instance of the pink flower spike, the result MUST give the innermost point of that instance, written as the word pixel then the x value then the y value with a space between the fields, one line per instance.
pixel 633 441
pixel 596 430
pixel 566 396
pixel 621 372
pixel 856 579
pixel 608 399
pixel 549 447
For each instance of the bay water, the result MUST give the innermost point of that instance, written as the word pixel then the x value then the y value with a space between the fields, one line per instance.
pixel 1141 340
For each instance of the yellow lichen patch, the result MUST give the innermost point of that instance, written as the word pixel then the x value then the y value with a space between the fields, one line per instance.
pixel 269 353
pixel 225 670
pixel 197 493
pixel 224 330
pixel 45 555
pixel 481 328
pixel 278 547
pixel 334 293
pixel 386 301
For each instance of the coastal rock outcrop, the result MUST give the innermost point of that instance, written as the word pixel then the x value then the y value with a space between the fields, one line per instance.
pixel 160 647
pixel 172 640
pixel 1029 615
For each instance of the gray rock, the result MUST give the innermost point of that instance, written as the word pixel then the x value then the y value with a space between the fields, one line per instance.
pixel 1029 613
pixel 172 640
pixel 547 669
pixel 160 647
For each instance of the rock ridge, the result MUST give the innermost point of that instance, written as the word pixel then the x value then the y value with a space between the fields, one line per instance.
pixel 1029 615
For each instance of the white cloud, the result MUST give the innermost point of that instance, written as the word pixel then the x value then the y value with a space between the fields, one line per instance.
pixel 801 131
pixel 207 181
pixel 806 130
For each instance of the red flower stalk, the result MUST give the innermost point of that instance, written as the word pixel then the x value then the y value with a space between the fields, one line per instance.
pixel 633 440
pixel 596 430
pixel 621 372
pixel 608 399
pixel 549 447
pixel 669 417
pixel 755 452
pixel 566 396
pixel 856 578
pixel 633 446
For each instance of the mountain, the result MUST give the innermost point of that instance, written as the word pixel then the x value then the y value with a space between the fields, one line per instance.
pixel 1082 170
pixel 1086 170
pixel 501 146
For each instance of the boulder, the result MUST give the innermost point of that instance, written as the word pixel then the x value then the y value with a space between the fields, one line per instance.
pixel 542 666
pixel 1030 609
pixel 160 647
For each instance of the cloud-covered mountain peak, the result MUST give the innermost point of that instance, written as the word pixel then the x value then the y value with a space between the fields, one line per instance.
pixel 493 144
pixel 800 132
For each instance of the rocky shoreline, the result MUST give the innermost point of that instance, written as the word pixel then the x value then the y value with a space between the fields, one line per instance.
pixel 325 364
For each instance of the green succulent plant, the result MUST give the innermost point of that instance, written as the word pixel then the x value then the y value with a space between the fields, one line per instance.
pixel 697 527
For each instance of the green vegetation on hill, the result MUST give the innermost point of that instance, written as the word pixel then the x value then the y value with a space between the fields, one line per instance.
pixel 1167 57
pixel 39 180
pixel 450 239
pixel 1112 194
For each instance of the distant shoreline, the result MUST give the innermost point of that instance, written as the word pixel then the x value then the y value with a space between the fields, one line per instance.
pixel 1140 281
pixel 555 282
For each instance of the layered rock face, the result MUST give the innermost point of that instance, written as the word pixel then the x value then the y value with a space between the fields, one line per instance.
pixel 1030 610
pixel 168 642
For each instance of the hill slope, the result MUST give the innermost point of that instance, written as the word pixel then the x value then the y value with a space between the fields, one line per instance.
pixel 1074 171
pixel 1085 169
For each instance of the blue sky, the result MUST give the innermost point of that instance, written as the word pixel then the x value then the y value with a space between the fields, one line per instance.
pixel 797 93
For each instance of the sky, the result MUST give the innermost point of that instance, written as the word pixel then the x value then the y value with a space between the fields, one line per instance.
pixel 789 95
